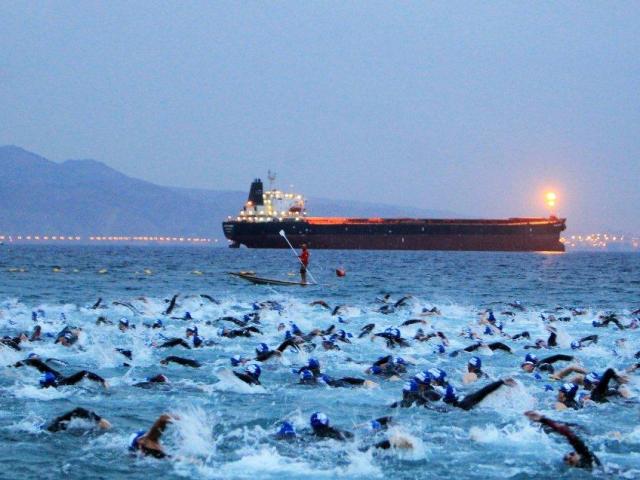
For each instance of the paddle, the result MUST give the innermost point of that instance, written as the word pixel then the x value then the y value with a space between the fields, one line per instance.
pixel 283 235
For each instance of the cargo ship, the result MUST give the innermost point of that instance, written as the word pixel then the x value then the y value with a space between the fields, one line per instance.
pixel 267 213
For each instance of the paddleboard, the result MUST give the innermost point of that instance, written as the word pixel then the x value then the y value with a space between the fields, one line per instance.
pixel 253 278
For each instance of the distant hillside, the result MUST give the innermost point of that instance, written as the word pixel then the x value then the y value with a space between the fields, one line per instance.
pixel 86 197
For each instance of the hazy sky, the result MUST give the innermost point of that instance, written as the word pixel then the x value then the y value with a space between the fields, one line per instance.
pixel 474 107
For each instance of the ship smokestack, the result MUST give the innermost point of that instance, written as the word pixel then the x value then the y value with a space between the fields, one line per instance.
pixel 255 193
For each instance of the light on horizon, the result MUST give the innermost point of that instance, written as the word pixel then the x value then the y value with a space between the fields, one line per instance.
pixel 550 199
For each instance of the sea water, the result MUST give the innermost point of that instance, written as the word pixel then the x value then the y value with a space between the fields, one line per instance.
pixel 225 429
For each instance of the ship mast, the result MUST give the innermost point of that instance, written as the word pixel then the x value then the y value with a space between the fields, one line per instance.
pixel 272 178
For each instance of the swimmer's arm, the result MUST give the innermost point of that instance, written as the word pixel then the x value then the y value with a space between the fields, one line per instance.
pixel 568 370
pixel 557 358
pixel 158 427
pixel 577 444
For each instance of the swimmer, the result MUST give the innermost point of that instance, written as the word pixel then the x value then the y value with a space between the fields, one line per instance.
pixel 150 382
pixel 148 443
pixel 393 338
pixel 61 423
pixel 251 375
pixel 388 366
pixel 581 456
pixel 49 379
pixel 172 304
pixel 598 385
pixel 174 342
pixel 185 362
pixel 567 397
pixel 474 371
pixel 321 428
pixel 36 362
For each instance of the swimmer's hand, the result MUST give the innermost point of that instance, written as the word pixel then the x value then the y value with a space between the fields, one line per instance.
pixel 104 424
pixel 510 382
pixel 533 416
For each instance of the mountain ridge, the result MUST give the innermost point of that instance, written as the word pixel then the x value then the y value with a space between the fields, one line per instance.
pixel 88 197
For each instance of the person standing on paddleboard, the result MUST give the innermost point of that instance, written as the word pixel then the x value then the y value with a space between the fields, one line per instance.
pixel 304 263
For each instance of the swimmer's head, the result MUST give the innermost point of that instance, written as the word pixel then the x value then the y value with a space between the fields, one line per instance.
pixel 474 364
pixel 286 430
pixel 47 379
pixel 591 379
pixel 423 378
pixel 235 360
pixel 197 341
pixel 313 364
pixel 253 370
pixel 410 387
pixel 395 333
pixel 262 348
pixel 306 375
pixel 450 394
pixel 157 324
pixel 437 375
pixel 319 420
pixel 295 330
pixel 123 323
pixel 572 459
pixel 193 330
pixel 567 391
pixel 575 345
pixel 399 361
pixel 440 349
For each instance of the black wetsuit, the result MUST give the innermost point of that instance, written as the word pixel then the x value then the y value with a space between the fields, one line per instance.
pixel 473 399
pixel 38 365
pixel 546 364
pixel 174 342
pixel 331 432
pixel 61 422
pixel 601 391
pixel 186 362
pixel 246 378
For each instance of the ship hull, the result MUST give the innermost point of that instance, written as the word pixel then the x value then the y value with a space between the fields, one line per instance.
pixel 515 235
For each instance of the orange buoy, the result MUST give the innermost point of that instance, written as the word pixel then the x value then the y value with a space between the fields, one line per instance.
pixel 340 272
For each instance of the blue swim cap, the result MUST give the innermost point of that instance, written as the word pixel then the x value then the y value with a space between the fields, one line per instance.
pixel 313 363
pixel 491 316
pixel 187 316
pixel 33 355
pixel 530 357
pixel 47 379
pixel 341 333
pixel 548 388
pixel 124 321
pixel 262 348
pixel 286 430
pixel 376 370
pixel 133 440
pixel 537 376
pixel 295 330
pixel 375 425
pixel 575 345
pixel 423 378
pixel 591 379
pixel 157 323
pixel 437 374
pixel 500 325
pixel 439 349
pixel 487 330
pixel 287 335
pixel 596 323
pixel 236 360
pixel 410 386
pixel 399 361
pixel 34 316
pixel 319 419
pixel 569 389
pixel 254 370
pixel 450 394
pixel 221 331
pixel 306 374
pixel 197 341
pixel 475 362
